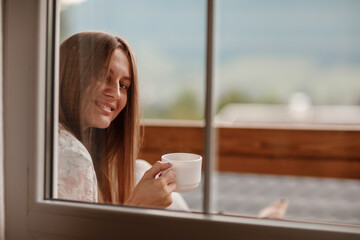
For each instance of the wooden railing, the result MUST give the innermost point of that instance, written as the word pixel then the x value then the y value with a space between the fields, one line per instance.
pixel 326 152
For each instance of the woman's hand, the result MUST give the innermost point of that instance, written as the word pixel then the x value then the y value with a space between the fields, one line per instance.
pixel 151 191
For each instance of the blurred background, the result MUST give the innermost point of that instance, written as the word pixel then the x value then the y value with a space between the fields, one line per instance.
pixel 301 55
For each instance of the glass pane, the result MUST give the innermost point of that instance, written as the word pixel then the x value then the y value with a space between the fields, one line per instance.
pixel 288 69
pixel 167 40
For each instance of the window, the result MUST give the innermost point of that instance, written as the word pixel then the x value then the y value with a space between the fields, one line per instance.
pixel 273 68
pixel 29 215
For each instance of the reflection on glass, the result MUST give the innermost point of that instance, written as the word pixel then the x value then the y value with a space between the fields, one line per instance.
pixel 100 96
pixel 285 64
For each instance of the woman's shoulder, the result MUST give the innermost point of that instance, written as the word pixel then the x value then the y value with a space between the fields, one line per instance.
pixel 69 144
pixel 76 173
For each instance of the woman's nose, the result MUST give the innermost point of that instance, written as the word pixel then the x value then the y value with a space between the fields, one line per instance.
pixel 113 90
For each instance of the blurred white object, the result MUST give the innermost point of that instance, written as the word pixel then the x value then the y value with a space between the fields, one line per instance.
pixel 299 111
pixel 299 106
pixel 276 210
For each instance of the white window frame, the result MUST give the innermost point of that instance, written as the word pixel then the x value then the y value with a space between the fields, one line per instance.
pixel 28 215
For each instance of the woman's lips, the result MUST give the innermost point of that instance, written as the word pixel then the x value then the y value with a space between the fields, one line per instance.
pixel 105 107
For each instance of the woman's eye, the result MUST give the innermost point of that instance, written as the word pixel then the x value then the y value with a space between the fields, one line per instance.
pixel 123 86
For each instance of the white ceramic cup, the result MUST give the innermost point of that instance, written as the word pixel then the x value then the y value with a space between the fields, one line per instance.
pixel 187 167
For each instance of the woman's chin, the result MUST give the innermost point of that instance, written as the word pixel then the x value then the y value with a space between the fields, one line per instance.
pixel 104 126
pixel 101 125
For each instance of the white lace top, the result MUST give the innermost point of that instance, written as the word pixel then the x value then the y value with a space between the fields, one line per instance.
pixel 76 175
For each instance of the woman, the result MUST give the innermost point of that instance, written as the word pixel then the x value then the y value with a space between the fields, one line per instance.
pixel 99 126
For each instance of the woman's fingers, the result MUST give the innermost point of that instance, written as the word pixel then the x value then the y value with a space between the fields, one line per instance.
pixel 172 187
pixel 169 176
pixel 154 192
pixel 156 169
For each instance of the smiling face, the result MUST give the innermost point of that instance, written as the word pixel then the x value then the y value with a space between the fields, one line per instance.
pixel 104 100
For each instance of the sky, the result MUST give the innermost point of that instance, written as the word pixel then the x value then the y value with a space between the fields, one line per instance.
pixel 263 48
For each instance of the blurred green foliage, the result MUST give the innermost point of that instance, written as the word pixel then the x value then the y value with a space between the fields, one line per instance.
pixel 187 106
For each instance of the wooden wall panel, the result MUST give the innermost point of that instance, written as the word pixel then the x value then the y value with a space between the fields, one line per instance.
pixel 291 166
pixel 291 143
pixel 159 140
pixel 321 153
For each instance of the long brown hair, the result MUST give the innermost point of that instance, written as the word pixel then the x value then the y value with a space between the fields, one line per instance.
pixel 83 58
